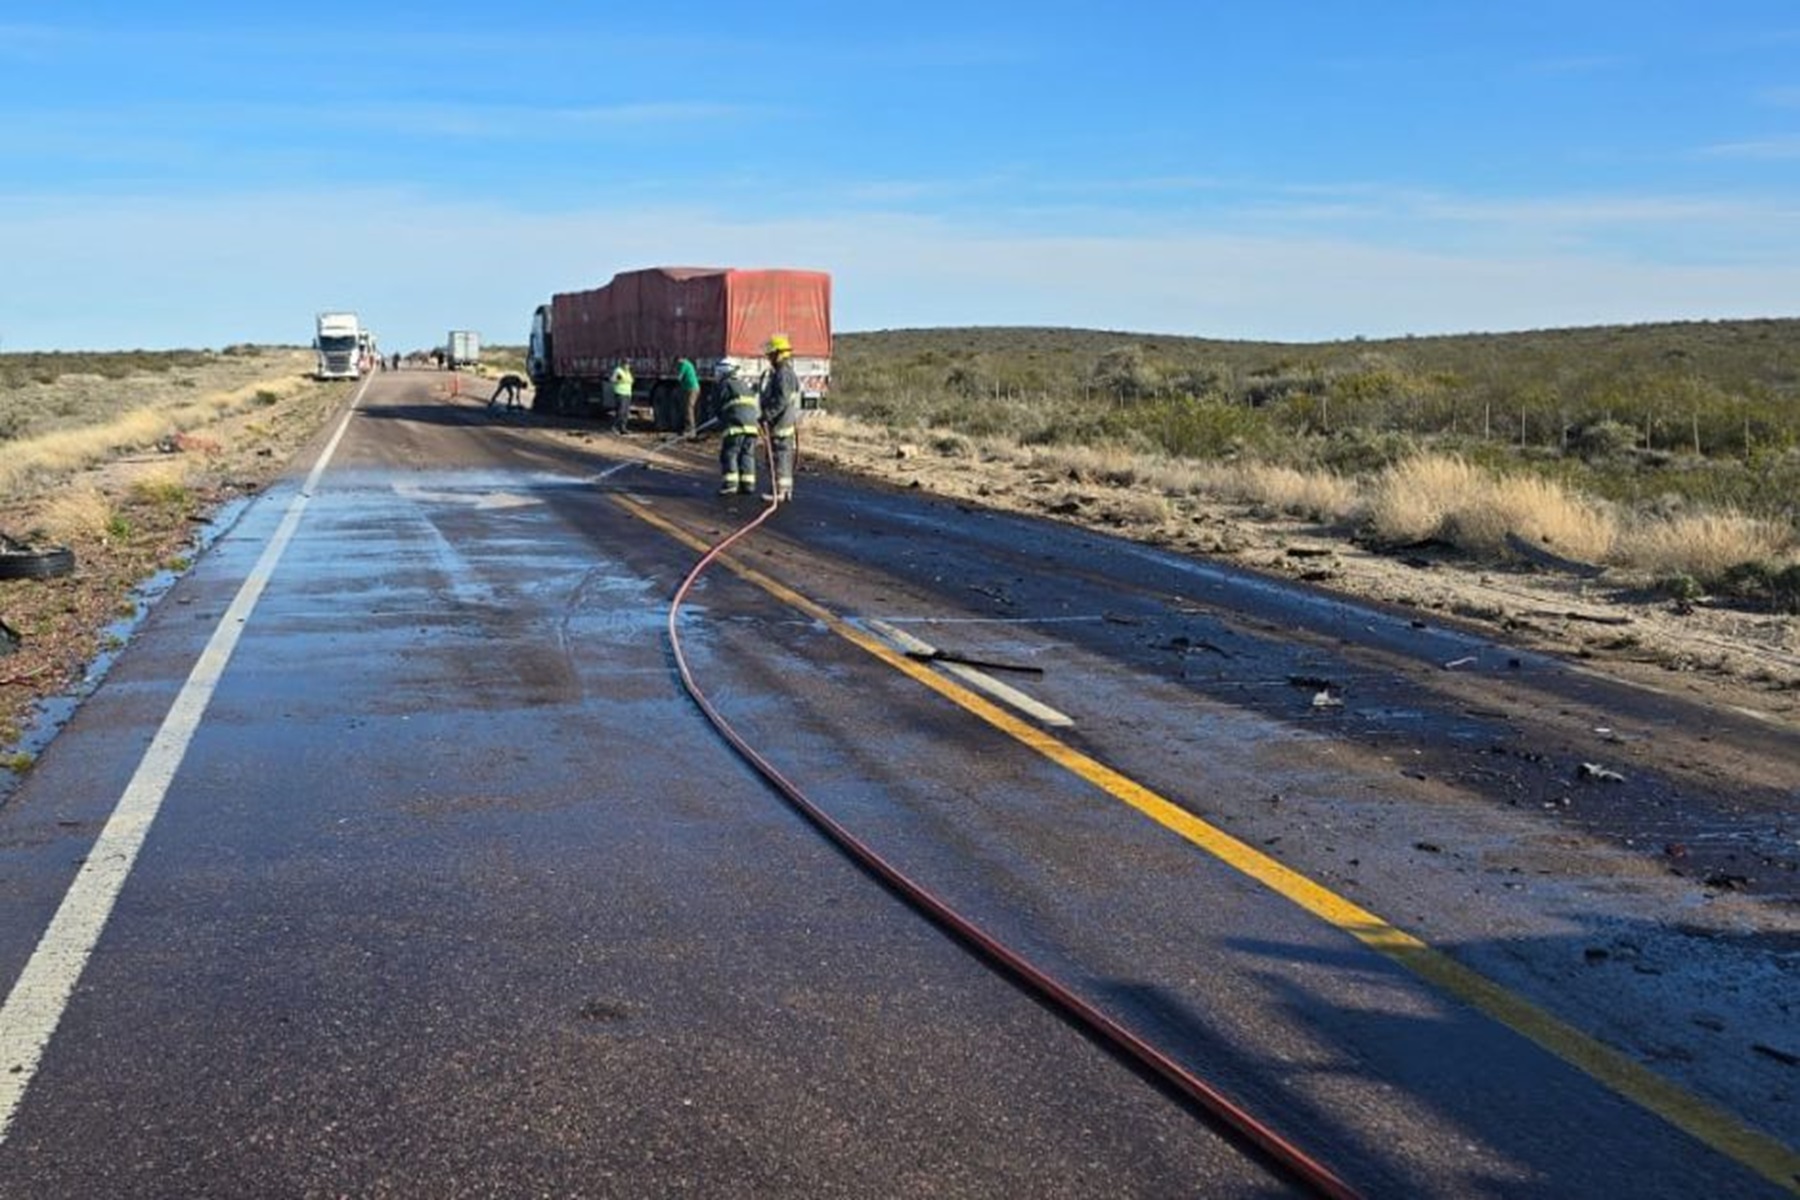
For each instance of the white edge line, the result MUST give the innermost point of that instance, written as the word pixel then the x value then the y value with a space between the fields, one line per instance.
pixel 976 678
pixel 35 1006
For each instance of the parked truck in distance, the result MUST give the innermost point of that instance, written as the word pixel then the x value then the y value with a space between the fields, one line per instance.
pixel 462 348
pixel 653 318
pixel 337 343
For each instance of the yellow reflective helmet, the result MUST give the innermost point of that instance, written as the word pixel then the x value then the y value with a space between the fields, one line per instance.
pixel 779 344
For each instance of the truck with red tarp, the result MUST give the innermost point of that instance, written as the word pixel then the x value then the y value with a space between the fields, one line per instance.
pixel 653 318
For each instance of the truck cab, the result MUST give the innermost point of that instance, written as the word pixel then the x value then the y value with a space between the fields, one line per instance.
pixel 337 344
pixel 537 348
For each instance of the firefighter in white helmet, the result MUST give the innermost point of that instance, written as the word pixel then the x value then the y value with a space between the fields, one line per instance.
pixel 739 414
pixel 781 412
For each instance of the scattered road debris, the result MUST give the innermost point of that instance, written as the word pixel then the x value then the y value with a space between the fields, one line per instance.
pixel 1571 615
pixel 951 656
pixel 1538 556
pixel 1781 1056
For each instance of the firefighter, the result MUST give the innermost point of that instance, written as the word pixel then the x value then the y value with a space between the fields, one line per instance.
pixel 739 414
pixel 781 412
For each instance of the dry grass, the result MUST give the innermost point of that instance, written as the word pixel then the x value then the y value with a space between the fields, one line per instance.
pixel 164 485
pixel 1703 546
pixel 1446 498
pixel 1173 477
pixel 77 514
pixel 1110 465
pixel 36 460
pixel 1315 495
pixel 1412 500
pixel 1144 508
pixel 121 416
pixel 1543 511
pixel 1426 497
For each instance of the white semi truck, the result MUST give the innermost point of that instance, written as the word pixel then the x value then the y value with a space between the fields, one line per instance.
pixel 338 344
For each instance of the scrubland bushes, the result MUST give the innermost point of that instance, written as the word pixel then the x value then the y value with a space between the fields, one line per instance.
pixel 97 406
pixel 1670 449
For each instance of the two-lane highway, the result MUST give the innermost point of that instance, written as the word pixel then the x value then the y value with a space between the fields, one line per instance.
pixel 392 859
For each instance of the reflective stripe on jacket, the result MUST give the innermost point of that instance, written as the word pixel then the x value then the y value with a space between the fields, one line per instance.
pixel 740 411
pixel 781 398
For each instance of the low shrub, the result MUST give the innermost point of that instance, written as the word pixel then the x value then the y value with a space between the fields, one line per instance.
pixel 1775 586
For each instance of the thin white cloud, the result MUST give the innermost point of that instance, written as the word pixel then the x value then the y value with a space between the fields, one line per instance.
pixel 126 130
pixel 1697 227
pixel 1590 64
pixel 280 34
pixel 90 273
pixel 33 43
pixel 1773 149
pixel 508 121
pixel 1611 211
pixel 659 113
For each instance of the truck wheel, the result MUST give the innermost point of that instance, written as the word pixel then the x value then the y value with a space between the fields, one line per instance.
pixel 20 561
pixel 659 406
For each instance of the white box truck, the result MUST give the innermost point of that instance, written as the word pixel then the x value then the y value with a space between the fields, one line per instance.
pixel 462 349
pixel 338 346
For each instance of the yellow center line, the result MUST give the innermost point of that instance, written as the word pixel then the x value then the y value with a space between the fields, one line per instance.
pixel 1710 1124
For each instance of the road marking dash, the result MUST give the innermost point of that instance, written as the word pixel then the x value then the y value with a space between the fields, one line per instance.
pixel 977 678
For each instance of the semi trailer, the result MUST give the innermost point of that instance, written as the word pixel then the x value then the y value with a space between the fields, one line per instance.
pixel 653 318
pixel 462 348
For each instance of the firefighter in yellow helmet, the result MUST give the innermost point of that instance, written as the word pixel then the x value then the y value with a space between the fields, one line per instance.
pixel 781 412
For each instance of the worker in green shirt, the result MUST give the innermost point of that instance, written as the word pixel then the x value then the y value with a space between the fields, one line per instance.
pixel 689 379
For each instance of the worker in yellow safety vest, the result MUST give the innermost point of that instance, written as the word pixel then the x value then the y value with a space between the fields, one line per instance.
pixel 622 383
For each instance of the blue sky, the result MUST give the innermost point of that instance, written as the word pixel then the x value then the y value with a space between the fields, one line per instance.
pixel 198 174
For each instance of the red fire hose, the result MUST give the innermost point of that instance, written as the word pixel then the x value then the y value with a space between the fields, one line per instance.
pixel 1320 1180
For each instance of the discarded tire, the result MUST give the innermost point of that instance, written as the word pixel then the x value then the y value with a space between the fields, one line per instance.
pixel 20 561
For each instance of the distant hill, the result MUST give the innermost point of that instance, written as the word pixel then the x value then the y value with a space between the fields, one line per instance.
pixel 1756 356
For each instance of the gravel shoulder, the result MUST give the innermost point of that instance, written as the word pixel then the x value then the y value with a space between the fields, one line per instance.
pixel 1714 653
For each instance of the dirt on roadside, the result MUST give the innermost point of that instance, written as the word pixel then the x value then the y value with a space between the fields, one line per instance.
pixel 1716 653
pixel 131 518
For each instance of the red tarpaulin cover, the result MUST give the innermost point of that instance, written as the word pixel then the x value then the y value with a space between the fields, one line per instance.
pixel 658 315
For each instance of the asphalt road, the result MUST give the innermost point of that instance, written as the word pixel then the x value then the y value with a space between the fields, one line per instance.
pixel 392 859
